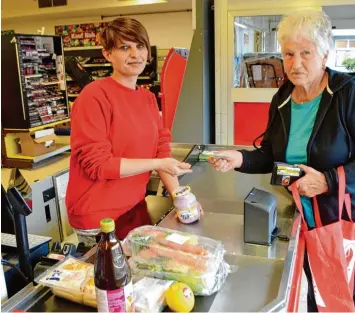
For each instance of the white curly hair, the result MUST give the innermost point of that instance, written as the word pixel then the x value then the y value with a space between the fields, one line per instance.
pixel 312 25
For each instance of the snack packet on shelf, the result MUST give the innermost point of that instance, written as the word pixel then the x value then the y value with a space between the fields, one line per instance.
pixel 168 254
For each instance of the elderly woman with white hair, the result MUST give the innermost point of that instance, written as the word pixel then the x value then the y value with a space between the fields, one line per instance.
pixel 311 123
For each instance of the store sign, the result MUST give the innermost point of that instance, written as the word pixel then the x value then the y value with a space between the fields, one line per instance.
pixel 80 35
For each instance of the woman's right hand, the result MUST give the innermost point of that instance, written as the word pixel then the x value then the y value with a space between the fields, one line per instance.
pixel 226 160
pixel 173 167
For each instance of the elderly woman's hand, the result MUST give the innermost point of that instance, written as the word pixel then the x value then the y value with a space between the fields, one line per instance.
pixel 312 184
pixel 226 160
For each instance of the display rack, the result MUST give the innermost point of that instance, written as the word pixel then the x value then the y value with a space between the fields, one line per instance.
pixel 34 99
pixel 34 87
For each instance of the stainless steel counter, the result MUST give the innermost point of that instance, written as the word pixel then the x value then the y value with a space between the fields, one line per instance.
pixel 264 272
pixel 262 281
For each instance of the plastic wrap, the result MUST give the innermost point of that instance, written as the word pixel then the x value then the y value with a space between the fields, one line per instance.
pixel 149 294
pixel 71 279
pixel 168 254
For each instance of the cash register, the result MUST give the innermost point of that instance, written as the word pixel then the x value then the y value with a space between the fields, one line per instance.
pixel 23 255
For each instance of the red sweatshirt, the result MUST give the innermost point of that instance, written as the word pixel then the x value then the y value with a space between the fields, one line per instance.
pixel 109 122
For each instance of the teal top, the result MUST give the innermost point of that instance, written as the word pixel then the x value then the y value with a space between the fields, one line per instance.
pixel 302 122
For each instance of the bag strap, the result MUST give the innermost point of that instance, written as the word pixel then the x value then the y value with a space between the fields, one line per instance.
pixel 344 198
pixel 297 199
pixel 317 218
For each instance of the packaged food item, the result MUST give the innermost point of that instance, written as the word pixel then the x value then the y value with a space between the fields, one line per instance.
pixel 67 278
pixel 186 205
pixel 149 294
pixel 168 254
pixel 88 289
pixel 73 280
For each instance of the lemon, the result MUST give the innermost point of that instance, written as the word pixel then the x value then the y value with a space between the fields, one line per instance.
pixel 180 298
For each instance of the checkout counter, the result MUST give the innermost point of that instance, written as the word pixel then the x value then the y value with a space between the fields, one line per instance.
pixel 266 278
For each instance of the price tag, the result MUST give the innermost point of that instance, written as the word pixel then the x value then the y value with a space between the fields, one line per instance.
pixel 177 238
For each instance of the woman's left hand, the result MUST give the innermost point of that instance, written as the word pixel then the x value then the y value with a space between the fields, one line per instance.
pixel 312 184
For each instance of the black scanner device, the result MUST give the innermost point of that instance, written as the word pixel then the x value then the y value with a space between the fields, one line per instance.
pixel 260 217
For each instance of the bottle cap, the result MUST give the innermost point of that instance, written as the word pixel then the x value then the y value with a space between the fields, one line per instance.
pixel 107 225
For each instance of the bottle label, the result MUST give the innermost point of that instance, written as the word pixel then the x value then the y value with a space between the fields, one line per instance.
pixel 189 214
pixel 119 300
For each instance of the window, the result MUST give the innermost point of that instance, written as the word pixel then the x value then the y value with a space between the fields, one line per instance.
pixel 344 47
pixel 257 57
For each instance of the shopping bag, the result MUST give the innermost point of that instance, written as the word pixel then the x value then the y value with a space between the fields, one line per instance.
pixel 331 254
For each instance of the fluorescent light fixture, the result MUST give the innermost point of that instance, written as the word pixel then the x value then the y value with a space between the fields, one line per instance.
pixel 240 25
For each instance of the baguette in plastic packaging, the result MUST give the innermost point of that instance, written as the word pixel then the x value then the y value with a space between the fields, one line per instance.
pixel 172 255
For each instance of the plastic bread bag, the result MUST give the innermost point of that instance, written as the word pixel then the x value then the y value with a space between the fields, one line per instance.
pixel 202 284
pixel 168 254
pixel 149 294
pixel 66 278
pixel 88 289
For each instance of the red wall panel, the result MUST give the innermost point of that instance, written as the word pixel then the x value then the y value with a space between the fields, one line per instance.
pixel 250 120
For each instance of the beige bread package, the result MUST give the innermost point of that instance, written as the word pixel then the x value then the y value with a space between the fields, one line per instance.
pixel 88 290
pixel 69 278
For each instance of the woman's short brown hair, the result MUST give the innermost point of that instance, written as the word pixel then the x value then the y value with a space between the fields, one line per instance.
pixel 124 28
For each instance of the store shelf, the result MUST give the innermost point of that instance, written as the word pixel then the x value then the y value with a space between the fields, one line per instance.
pixel 33 76
pixel 27 44
pixel 61 149
pixel 51 83
pixel 83 48
pixel 72 95
pixel 97 65
pixel 33 129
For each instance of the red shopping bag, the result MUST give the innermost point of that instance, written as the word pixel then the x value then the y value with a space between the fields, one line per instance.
pixel 331 254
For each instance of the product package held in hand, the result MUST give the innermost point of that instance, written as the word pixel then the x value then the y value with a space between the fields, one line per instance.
pixel 172 255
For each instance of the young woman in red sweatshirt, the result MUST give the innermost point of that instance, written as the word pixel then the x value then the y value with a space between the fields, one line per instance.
pixel 117 139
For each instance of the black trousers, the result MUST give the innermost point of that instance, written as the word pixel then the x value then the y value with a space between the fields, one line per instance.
pixel 311 300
